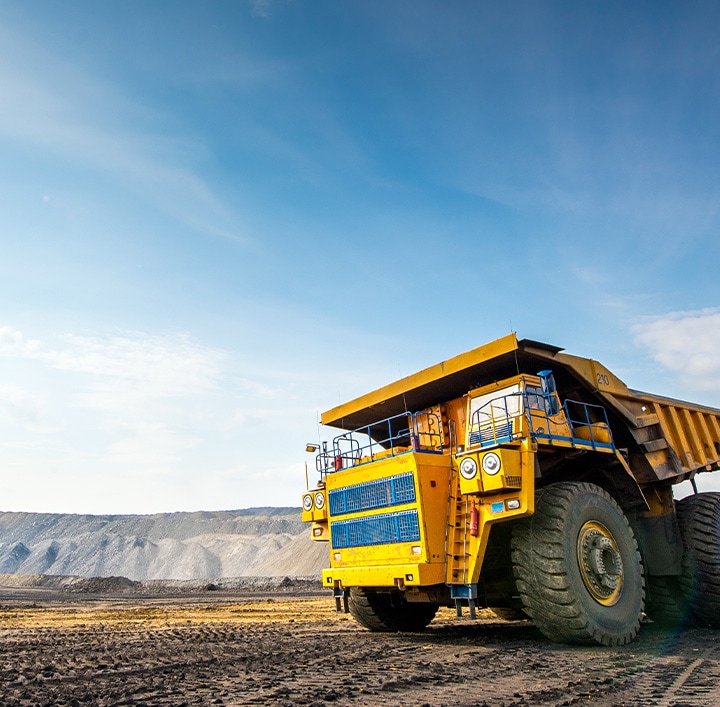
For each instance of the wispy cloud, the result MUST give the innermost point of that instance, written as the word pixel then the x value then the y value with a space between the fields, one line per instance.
pixel 14 343
pixel 261 8
pixel 142 393
pixel 158 366
pixel 65 113
pixel 687 343
pixel 19 406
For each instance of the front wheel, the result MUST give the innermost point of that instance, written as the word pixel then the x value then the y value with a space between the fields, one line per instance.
pixel 389 611
pixel 577 567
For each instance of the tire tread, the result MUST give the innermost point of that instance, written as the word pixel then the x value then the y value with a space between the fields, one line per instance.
pixel 699 521
pixel 540 566
pixel 377 611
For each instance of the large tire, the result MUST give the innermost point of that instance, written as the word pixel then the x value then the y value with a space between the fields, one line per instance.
pixel 577 567
pixel 699 520
pixel 666 603
pixel 389 611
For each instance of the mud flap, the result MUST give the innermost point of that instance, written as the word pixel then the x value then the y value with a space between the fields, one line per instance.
pixel 464 593
pixel 341 600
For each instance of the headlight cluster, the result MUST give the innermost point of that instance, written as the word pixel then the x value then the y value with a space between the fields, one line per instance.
pixel 490 465
pixel 468 468
pixel 318 501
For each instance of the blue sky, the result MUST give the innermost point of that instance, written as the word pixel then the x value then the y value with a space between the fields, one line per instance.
pixel 219 219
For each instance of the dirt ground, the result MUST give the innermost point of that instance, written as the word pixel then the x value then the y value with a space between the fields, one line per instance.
pixel 225 648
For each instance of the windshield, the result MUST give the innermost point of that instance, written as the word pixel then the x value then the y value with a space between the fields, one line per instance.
pixel 498 404
pixel 491 415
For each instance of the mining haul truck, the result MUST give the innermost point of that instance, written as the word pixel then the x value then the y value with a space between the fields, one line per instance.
pixel 519 478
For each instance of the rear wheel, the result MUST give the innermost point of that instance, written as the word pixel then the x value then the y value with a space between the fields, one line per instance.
pixel 578 568
pixel 666 604
pixel 699 520
pixel 389 611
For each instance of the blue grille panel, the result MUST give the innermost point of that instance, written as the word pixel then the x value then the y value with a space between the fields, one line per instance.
pixel 371 495
pixel 402 527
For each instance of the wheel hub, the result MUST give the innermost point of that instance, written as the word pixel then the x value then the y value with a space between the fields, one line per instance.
pixel 600 563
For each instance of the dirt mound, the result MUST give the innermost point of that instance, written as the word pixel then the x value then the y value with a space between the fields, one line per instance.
pixel 125 586
pixel 180 546
pixel 103 585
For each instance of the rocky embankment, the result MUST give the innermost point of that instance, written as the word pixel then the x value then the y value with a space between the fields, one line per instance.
pixel 256 542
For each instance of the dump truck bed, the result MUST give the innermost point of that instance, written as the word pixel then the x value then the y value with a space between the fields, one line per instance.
pixel 666 439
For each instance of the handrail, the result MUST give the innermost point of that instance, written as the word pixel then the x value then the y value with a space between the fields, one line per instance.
pixel 420 431
pixel 500 426
pixel 599 433
pixel 587 424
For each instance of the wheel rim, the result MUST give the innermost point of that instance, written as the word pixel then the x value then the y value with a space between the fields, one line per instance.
pixel 600 563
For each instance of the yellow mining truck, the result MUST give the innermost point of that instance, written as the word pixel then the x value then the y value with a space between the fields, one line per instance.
pixel 519 478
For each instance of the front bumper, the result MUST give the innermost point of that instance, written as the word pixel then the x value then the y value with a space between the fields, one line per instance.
pixel 412 575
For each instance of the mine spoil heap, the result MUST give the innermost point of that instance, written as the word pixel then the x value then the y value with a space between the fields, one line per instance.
pixel 256 542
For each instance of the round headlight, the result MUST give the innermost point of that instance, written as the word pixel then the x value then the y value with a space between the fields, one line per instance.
pixel 307 502
pixel 468 468
pixel 319 500
pixel 491 463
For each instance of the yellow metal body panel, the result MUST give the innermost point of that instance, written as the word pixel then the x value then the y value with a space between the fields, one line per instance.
pixel 318 512
pixel 411 575
pixel 507 478
pixel 402 393
pixel 596 376
pixel 320 532
pixel 678 439
pixel 432 476
pixel 465 550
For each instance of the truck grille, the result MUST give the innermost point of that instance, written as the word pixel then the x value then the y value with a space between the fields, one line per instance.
pixel 489 435
pixel 401 527
pixel 371 495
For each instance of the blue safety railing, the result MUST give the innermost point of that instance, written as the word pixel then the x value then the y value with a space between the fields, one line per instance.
pixel 493 423
pixel 498 421
pixel 501 420
pixel 407 432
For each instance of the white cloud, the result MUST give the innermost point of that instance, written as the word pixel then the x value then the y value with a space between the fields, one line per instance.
pixel 12 342
pixel 150 366
pixel 96 418
pixel 140 394
pixel 261 8
pixel 164 365
pixel 19 406
pixel 687 343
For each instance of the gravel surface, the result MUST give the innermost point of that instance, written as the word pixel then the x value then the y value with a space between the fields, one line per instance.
pixel 227 647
